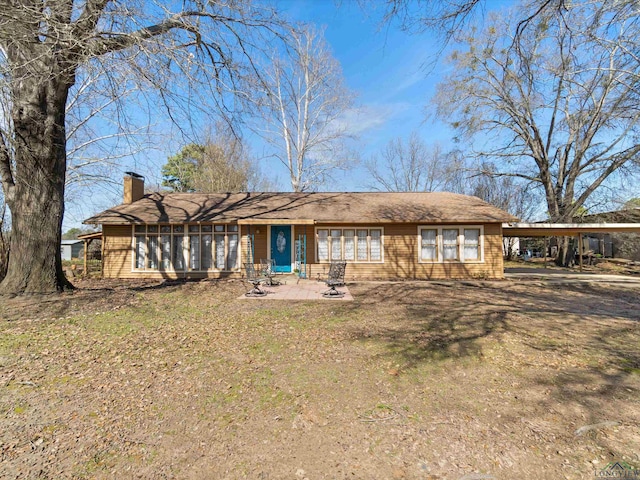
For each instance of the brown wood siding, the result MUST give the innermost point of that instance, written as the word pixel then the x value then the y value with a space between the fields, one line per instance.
pixel 117 255
pixel 259 233
pixel 401 258
pixel 310 232
pixel 261 248
pixel 400 255
pixel 116 251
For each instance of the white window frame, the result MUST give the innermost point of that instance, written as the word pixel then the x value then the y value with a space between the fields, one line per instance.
pixel 355 240
pixel 440 243
pixel 185 247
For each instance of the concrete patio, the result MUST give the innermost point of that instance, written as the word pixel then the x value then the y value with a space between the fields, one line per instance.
pixel 293 288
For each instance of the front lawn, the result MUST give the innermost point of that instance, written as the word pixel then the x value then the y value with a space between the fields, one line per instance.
pixel 411 380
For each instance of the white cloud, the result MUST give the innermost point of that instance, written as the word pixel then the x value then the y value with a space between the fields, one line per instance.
pixel 410 80
pixel 366 118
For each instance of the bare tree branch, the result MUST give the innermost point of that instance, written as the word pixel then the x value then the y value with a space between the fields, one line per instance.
pixel 70 70
pixel 300 104
pixel 564 98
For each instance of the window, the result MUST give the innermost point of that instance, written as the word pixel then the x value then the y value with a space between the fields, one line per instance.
pixel 152 248
pixel 354 245
pixel 177 260
pixel 429 244
pixel 375 243
pixel 362 245
pixel 165 251
pixel 349 245
pixel 472 244
pixel 194 251
pixel 323 245
pixel 140 251
pixel 451 244
pixel 206 249
pixel 336 244
pixel 186 247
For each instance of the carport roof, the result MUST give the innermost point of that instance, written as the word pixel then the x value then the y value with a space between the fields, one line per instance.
pixel 569 229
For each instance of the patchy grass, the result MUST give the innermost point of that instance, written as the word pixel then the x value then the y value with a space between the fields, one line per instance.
pixel 411 380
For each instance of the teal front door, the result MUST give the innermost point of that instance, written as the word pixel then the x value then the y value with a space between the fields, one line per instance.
pixel 281 247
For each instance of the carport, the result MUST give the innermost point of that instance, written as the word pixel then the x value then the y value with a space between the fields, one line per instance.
pixel 88 238
pixel 546 230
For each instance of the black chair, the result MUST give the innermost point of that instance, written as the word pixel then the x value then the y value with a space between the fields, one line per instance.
pixel 255 279
pixel 335 278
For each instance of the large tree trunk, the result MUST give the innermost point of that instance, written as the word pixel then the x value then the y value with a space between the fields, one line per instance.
pixel 36 198
pixel 565 255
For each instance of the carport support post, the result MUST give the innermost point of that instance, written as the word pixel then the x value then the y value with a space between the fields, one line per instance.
pixel 546 239
pixel 580 249
pixel 86 247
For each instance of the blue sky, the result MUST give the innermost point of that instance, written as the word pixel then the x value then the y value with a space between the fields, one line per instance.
pixel 384 67
pixel 391 72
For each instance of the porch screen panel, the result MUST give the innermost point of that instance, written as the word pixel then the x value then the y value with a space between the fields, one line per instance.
pixel 178 252
pixel 450 244
pixel 349 245
pixel 472 244
pixel 152 252
pixel 323 245
pixel 232 258
pixel 206 252
pixel 376 245
pixel 219 246
pixel 362 244
pixel 336 247
pixel 165 251
pixel 194 252
pixel 429 244
pixel 140 251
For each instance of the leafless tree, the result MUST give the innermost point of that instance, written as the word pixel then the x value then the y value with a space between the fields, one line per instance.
pixel 448 18
pixel 98 135
pixel 300 104
pixel 512 194
pixel 182 60
pixel 411 166
pixel 561 110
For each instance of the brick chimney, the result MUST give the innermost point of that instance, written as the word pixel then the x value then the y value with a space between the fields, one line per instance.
pixel 133 187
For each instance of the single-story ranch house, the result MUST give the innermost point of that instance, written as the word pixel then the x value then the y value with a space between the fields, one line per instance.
pixel 379 235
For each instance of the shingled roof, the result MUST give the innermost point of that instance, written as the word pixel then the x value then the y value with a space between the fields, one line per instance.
pixel 350 207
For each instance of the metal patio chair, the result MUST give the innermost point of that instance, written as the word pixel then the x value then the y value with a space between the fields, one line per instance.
pixel 268 270
pixel 254 278
pixel 335 278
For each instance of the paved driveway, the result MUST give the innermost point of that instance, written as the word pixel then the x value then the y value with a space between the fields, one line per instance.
pixel 562 276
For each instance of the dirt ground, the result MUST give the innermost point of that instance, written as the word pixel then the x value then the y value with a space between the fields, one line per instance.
pixel 460 380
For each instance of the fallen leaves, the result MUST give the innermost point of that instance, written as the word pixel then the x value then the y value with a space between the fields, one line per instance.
pixel 435 381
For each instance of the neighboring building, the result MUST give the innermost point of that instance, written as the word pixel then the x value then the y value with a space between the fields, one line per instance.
pixel 71 249
pixel 617 245
pixel 380 235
